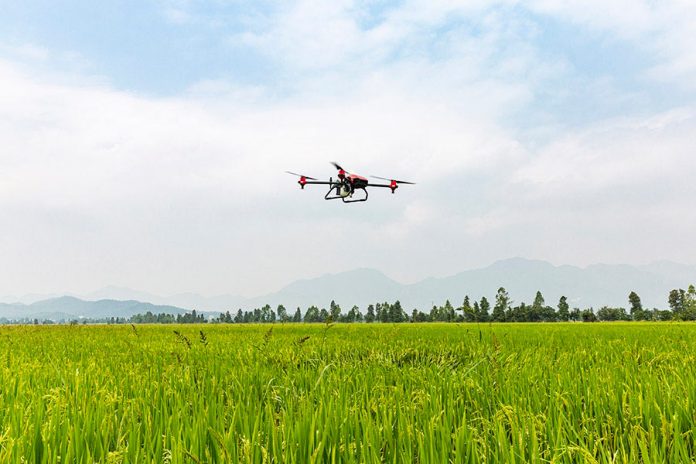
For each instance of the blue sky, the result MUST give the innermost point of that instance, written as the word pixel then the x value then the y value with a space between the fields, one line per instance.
pixel 543 129
pixel 163 49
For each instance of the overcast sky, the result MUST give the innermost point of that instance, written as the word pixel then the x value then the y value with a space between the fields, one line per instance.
pixel 144 144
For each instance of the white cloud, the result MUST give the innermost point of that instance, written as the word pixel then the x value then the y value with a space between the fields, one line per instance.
pixel 89 170
pixel 188 193
pixel 666 30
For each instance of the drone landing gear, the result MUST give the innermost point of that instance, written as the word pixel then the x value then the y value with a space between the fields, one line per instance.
pixel 330 195
pixel 350 198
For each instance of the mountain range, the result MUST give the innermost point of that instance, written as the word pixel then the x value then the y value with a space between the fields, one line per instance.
pixel 66 308
pixel 593 286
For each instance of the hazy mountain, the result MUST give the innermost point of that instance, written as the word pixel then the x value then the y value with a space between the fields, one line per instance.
pixel 182 300
pixel 67 307
pixel 27 299
pixel 360 286
pixel 593 286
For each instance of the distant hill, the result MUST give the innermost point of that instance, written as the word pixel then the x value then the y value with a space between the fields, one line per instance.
pixel 67 308
pixel 592 286
pixel 183 300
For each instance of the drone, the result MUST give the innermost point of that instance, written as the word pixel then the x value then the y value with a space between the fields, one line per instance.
pixel 348 184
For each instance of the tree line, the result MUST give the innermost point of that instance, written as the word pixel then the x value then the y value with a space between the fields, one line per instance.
pixel 682 304
pixel 682 307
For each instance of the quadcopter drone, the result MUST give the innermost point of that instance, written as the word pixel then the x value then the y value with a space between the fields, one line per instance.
pixel 347 184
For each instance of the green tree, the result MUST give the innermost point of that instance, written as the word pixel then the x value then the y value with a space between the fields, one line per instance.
pixel 612 314
pixel 563 309
pixel 502 304
pixel 484 309
pixel 334 311
pixel 548 314
pixel 323 315
pixel 466 310
pixel 689 302
pixel 370 315
pixel 282 314
pixel 396 313
pixel 676 303
pixel 536 311
pixel 636 311
pixel 468 313
pixel 519 313
pixel 477 311
pixel 447 312
pixel 298 315
pixel 312 314
pixel 588 315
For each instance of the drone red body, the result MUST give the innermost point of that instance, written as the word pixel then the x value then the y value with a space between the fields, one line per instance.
pixel 347 184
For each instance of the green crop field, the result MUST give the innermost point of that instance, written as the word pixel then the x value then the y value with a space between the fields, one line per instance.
pixel 435 393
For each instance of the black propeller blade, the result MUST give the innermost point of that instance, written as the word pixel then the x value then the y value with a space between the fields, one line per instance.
pixel 395 180
pixel 337 166
pixel 300 175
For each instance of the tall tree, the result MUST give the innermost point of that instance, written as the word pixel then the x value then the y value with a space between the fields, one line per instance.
pixel 282 313
pixel 312 314
pixel 298 315
pixel 563 309
pixel 485 308
pixel 370 315
pixel 535 313
pixel 383 312
pixel 539 301
pixel 476 310
pixel 466 309
pixel 447 313
pixel 636 307
pixel 502 304
pixel 689 302
pixel 324 315
pixel 266 313
pixel 468 312
pixel 334 311
pixel 396 312
pixel 676 303
pixel 358 317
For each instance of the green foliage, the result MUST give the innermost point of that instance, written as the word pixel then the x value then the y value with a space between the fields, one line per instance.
pixel 588 315
pixel 637 311
pixel 563 309
pixel 682 304
pixel 485 307
pixel 301 393
pixel 612 314
pixel 502 305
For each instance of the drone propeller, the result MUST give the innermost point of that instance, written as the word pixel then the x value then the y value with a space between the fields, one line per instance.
pixel 300 175
pixel 338 166
pixel 394 180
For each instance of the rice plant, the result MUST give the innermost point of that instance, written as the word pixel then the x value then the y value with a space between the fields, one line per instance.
pixel 435 393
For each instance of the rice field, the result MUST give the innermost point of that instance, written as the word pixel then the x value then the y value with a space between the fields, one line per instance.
pixel 304 393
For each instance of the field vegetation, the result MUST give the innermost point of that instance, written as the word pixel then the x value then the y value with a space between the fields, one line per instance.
pixel 424 393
